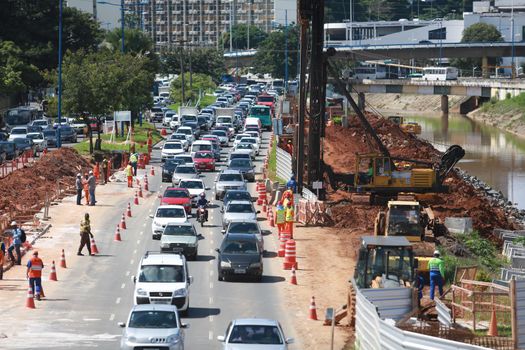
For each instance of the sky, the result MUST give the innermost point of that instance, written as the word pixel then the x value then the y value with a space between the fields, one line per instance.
pixel 107 15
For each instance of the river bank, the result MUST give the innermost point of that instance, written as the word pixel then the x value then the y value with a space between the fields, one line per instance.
pixel 509 119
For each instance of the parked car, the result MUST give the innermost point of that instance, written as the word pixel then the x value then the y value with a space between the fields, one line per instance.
pixel 180 238
pixel 254 333
pixel 147 322
pixel 239 255
pixel 238 210
pixel 228 180
pixel 166 214
pixel 177 196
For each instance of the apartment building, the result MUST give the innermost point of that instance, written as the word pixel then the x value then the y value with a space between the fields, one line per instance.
pixel 197 23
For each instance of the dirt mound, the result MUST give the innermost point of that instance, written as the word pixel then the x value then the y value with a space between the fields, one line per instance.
pixel 340 148
pixel 27 187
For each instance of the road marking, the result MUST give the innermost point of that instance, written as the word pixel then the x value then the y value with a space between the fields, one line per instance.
pixel 127 273
pixel 138 241
pixel 211 300
pixel 211 285
pixel 211 261
pixel 112 317
pixel 211 272
pixel 135 251
pixel 210 335
pixel 131 262
pixel 210 318
pixel 211 217
pixel 144 225
pixel 117 301
pixel 141 233
pixel 123 285
pixel 211 241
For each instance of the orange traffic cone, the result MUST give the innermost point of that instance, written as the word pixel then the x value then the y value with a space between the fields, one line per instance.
pixel 152 171
pixel 163 132
pixel 123 222
pixel 136 200
pixel 128 211
pixel 30 301
pixel 272 222
pixel 293 280
pixel 53 274
pixel 146 185
pixel 493 327
pixel 140 192
pixel 63 260
pixel 313 311
pixel 138 181
pixel 94 249
pixel 117 235
pixel 265 208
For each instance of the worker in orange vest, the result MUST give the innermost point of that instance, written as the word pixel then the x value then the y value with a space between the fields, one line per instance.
pixel 289 217
pixel 289 147
pixel 86 187
pixel 96 170
pixel 129 174
pixel 34 274
pixel 280 215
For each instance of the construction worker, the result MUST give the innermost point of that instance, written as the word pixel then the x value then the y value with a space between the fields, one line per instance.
pixel 287 197
pixel 129 174
pixel 280 220
pixel 105 168
pixel 289 147
pixel 85 234
pixel 17 242
pixel 437 273
pixel 92 184
pixel 133 159
pixel 292 184
pixel 289 217
pixel 86 187
pixel 370 173
pixel 79 187
pixel 2 259
pixel 34 274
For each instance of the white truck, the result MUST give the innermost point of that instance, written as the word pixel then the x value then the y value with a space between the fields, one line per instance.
pixel 226 112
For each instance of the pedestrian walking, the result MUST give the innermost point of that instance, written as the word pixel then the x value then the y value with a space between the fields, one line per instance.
pixel 133 159
pixel 105 169
pixel 129 174
pixel 34 274
pixel 92 184
pixel 2 259
pixel 79 187
pixel 437 273
pixel 18 238
pixel 85 235
pixel 86 187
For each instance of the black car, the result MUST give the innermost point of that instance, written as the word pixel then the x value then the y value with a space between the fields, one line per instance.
pixel 24 144
pixel 9 147
pixel 51 137
pixel 245 166
pixel 67 133
pixel 168 167
pixel 202 122
pixel 239 255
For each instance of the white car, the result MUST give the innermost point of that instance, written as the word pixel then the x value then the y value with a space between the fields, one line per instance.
pixel 222 135
pixel 162 278
pixel 254 134
pixel 244 147
pixel 253 141
pixel 18 132
pixel 184 172
pixel 186 130
pixel 166 214
pixel 238 138
pixel 39 140
pixel 195 187
pixel 171 149
pixel 188 160
pixel 181 138
pixel 167 118
pixel 174 122
pixel 254 333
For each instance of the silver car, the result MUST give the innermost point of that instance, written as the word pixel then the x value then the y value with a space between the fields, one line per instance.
pixel 238 211
pixel 184 172
pixel 254 333
pixel 228 180
pixel 153 324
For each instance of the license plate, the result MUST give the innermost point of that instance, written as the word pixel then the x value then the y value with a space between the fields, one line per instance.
pixel 239 270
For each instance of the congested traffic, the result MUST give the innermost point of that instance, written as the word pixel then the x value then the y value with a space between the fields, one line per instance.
pixel 208 163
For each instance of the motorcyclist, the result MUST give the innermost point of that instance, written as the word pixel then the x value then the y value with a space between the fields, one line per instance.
pixel 203 203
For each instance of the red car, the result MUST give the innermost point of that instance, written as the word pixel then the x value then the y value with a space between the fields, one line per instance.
pixel 177 196
pixel 266 100
pixel 204 160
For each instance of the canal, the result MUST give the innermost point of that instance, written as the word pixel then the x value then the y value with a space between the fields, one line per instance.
pixel 492 155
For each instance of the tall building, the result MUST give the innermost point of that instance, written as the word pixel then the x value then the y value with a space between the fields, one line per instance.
pixel 197 23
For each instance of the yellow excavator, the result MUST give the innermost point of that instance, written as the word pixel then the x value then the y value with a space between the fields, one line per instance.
pixel 408 127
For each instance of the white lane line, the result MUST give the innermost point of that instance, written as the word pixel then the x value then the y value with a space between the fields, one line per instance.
pixel 138 241
pixel 112 317
pixel 210 335
pixel 211 217
pixel 123 285
pixel 211 241
pixel 144 225
pixel 211 262
pixel 150 210
pixel 131 262
pixel 134 251
pixel 211 300
pixel 117 301
pixel 211 285
pixel 127 273
pixel 211 273
pixel 210 318
pixel 141 233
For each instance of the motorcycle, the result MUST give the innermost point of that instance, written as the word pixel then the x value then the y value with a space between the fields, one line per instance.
pixel 201 215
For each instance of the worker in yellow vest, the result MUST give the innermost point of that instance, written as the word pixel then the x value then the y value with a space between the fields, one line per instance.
pixel 289 217
pixel 288 197
pixel 280 217
pixel 437 274
pixel 129 174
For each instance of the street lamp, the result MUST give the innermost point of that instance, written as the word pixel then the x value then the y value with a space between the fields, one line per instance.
pixel 122 47
pixel 231 15
pixel 59 114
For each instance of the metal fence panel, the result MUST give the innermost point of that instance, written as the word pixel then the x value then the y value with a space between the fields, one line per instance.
pixel 284 164
pixel 520 313
pixel 390 303
pixel 444 314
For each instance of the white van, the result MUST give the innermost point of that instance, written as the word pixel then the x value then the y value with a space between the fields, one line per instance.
pixel 223 119
pixel 253 121
pixel 174 122
pixel 199 146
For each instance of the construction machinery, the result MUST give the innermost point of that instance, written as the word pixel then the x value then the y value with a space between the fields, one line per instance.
pixel 408 127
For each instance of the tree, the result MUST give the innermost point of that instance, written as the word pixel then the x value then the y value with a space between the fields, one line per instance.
pixel 135 41
pixel 201 84
pixel 13 69
pixel 205 61
pixel 481 32
pixel 240 34
pixel 270 57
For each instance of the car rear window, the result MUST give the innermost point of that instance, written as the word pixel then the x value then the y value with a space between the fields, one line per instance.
pixel 176 194
pixel 230 177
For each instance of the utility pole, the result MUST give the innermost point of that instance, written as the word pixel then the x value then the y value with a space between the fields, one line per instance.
pixel 304 20
pixel 95 10
pixel 286 51
pixel 513 68
pixel 183 84
pixel 249 23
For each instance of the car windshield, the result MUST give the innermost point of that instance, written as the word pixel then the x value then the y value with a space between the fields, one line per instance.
pixel 20 141
pixel 172 163
pixel 240 136
pixel 244 146
pixel 176 194
pixel 34 129
pixel 178 137
pixel 179 230
pixel 224 120
pixel 241 163
pixel 239 155
pixel 170 213
pixel 237 195
pixel 174 145
pixel 240 247
pixel 239 208
pixel 255 334
pixel 203 155
pixel 219 133
pixel 243 227
pixel 197 148
pixel 184 131
pixel 35 136
pixel 153 319
pixel 189 118
pixel 161 273
pixel 18 131
pixel 265 99
pixel 230 177
pixel 185 170
pixel 249 140
pixel 191 184
pixel 184 158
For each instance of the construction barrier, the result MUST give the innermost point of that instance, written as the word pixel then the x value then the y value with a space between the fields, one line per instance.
pixel 312 213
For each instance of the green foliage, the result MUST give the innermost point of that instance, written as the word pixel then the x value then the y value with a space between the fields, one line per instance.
pixel 519 240
pixel 206 61
pixel 13 69
pixel 481 32
pixel 135 41
pixel 483 249
pixel 270 56
pixel 239 37
pixel 515 105
pixel 201 84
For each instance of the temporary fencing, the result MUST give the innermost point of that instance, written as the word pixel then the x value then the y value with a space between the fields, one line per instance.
pixel 314 212
pixel 19 162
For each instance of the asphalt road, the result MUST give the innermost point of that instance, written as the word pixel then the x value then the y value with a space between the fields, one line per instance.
pixel 100 293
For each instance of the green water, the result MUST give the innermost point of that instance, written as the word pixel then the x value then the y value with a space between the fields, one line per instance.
pixel 492 155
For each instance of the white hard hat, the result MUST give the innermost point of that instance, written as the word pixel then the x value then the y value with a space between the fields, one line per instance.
pixel 436 252
pixel 91 172
pixel 79 175
pixel 13 223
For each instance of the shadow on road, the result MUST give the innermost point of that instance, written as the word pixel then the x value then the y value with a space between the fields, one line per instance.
pixel 205 257
pixel 269 255
pixel 202 312
pixel 272 279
